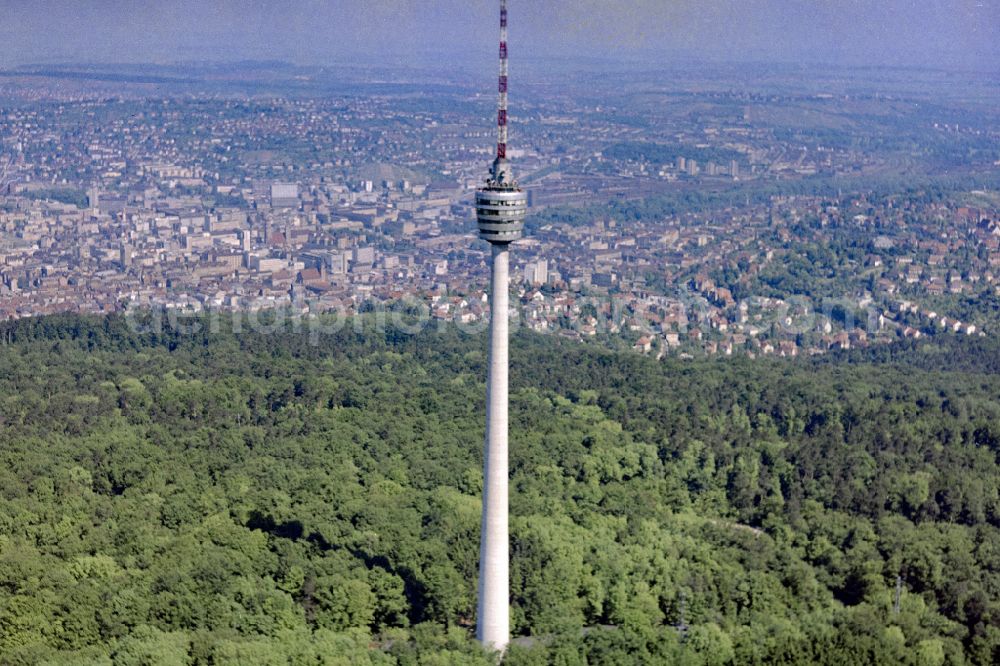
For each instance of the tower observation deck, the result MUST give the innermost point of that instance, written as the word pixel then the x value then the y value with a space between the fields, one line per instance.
pixel 500 211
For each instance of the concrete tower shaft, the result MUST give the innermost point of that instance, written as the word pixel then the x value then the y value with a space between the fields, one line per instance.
pixel 501 207
pixel 493 609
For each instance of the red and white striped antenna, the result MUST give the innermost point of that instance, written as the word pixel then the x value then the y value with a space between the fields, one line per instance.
pixel 502 112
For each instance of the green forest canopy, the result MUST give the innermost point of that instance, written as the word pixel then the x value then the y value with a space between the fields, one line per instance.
pixel 661 153
pixel 221 498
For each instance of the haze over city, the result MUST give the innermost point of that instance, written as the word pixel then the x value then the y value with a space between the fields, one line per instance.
pixel 954 33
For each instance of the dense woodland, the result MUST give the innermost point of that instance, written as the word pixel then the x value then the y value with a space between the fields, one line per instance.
pixel 235 498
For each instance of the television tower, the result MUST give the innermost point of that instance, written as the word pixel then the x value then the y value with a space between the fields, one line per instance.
pixel 501 207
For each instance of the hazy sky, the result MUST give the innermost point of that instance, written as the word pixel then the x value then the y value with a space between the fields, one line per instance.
pixel 953 33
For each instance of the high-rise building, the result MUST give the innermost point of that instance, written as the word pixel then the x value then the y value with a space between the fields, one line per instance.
pixel 536 272
pixel 94 198
pixel 501 207
pixel 284 195
pixel 364 255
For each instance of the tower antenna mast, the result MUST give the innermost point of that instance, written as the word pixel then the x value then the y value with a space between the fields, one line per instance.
pixel 502 106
